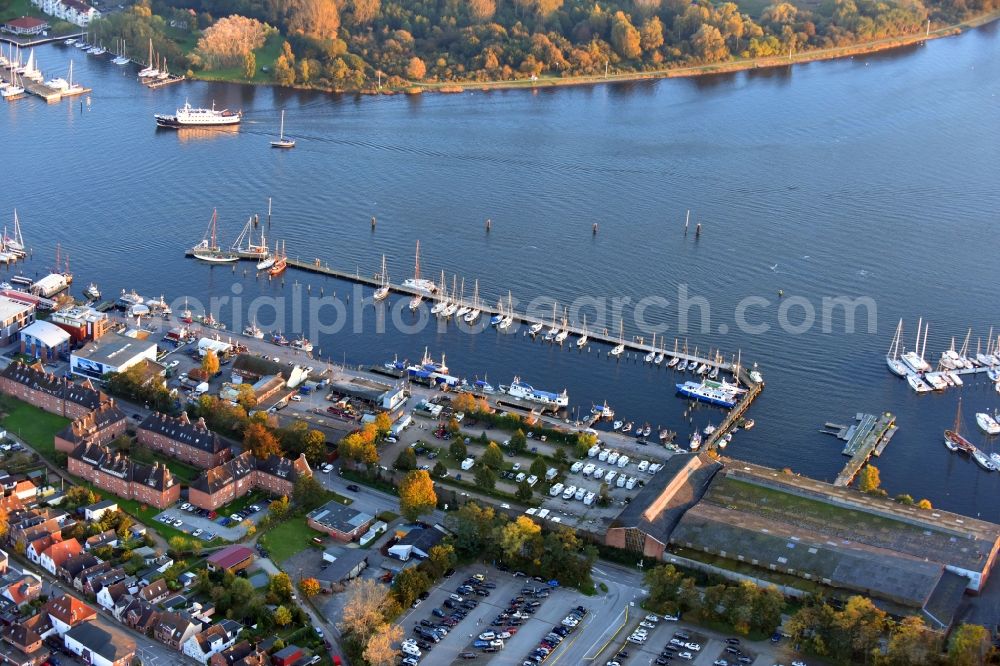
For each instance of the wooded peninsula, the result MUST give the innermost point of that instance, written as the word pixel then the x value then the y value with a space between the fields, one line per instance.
pixel 387 45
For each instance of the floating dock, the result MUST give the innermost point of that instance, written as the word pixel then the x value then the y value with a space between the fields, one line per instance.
pixel 50 95
pixel 868 437
pixel 160 83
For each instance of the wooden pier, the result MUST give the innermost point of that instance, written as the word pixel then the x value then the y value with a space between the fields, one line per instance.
pixel 868 437
pixel 160 83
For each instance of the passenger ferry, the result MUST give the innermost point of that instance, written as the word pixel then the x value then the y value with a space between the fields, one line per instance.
pixel 188 116
pixel 714 393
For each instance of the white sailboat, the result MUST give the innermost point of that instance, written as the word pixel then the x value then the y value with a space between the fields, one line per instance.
pixel 383 291
pixel 122 59
pixel 452 306
pixel 14 243
pixel 896 366
pixel 282 142
pixel 418 283
pixel 508 319
pixel 474 314
pixel 268 261
pixel 619 349
pixel 582 340
pixel 463 308
pixel 149 71
pixel 651 356
pixel 915 359
pixel 442 303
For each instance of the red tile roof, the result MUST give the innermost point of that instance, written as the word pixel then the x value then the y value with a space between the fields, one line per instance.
pixel 25 23
pixel 62 551
pixel 69 610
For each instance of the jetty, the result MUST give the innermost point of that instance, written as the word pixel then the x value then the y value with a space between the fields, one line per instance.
pixel 639 347
pixel 160 83
pixel 867 438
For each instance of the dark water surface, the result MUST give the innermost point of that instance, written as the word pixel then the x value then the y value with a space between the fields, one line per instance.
pixel 872 177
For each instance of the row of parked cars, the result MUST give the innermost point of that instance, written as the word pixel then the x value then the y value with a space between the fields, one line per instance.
pixel 556 636
pixel 734 654
pixel 428 632
pixel 506 623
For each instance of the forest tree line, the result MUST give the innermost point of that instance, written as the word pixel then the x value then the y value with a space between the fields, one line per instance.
pixel 350 44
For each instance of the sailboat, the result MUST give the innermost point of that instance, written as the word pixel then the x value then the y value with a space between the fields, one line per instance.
pixel 463 308
pixel 208 249
pixel 268 260
pixel 582 341
pixel 554 330
pixel 620 347
pixel 280 262
pixel 564 333
pixel 12 91
pixel 651 356
pixel 452 306
pixel 953 438
pixel 15 243
pixel 282 142
pixel 896 366
pixel 416 282
pixel 149 71
pixel 509 317
pixel 472 315
pixel 121 59
pixel 245 247
pixel 675 359
pixel 915 359
pixel 442 303
pixel 164 72
pixel 383 291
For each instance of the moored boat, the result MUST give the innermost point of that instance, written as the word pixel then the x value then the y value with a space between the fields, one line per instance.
pixel 987 423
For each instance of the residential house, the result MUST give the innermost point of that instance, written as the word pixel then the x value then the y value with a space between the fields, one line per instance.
pixel 179 438
pixel 287 656
pixel 56 555
pixel 115 472
pixel 105 538
pixel 99 426
pixel 25 26
pixel 141 616
pixel 25 490
pixel 22 646
pixel 213 640
pixel 100 645
pixel 32 384
pixel 96 583
pixel 16 313
pixel 67 612
pixel 95 512
pixel 174 629
pixel 40 623
pixel 220 485
pixel 3 562
pixel 241 654
pixel 33 551
pixel 77 563
pixel 155 592
pixel 23 589
pixel 81 581
pixel 110 595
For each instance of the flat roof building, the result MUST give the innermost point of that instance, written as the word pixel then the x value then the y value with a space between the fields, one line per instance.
pixel 111 353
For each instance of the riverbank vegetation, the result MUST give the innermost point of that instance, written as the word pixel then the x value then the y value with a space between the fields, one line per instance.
pixel 392 44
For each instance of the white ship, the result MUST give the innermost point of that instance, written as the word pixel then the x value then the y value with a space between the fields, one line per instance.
pixel 188 116
pixel 525 391
pixel 988 423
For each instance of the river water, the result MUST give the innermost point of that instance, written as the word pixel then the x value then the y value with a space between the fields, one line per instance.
pixel 869 178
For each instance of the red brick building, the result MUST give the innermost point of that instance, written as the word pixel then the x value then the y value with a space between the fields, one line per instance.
pixel 44 390
pixel 116 473
pixel 82 323
pixel 220 485
pixel 190 442
pixel 99 426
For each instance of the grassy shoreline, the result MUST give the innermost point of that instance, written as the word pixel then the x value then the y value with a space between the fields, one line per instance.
pixel 732 66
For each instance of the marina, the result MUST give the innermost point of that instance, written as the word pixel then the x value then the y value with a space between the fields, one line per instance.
pixel 923 377
pixel 52 90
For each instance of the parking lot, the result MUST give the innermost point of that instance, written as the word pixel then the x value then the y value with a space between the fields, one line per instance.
pixel 206 525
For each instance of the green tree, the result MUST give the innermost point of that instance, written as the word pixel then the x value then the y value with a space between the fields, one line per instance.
pixel 178 545
pixel 969 645
pixel 517 535
pixel 518 443
pixel 282 616
pixel 911 643
pixel 280 587
pixel 439 469
pixel 416 494
pixel 485 477
pixel 538 467
pixel 440 558
pixel 523 491
pixel 868 479
pixel 492 456
pixel 210 363
pixel 308 493
pixel 457 449
pixel 904 498
pixel 409 584
pixel 406 460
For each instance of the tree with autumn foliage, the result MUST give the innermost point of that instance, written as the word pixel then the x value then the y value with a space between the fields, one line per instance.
pixel 416 494
pixel 310 587
pixel 260 441
pixel 226 43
